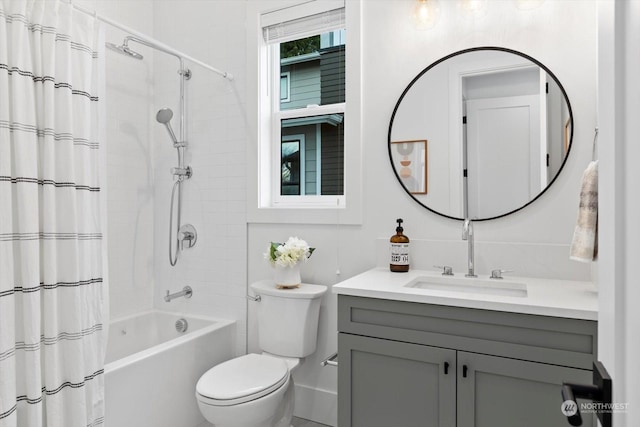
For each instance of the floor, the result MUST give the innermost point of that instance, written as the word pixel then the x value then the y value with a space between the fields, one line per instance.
pixel 299 422
pixel 296 422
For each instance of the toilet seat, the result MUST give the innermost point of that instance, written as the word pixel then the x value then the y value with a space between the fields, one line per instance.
pixel 241 380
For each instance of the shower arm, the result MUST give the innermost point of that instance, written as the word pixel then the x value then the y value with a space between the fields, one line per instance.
pixel 185 74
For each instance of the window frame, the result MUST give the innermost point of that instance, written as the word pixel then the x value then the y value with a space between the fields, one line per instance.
pixel 279 200
pixel 262 206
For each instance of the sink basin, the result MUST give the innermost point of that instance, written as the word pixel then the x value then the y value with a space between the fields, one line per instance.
pixel 470 285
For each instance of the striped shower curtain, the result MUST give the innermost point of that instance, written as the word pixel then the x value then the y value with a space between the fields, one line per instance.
pixel 51 287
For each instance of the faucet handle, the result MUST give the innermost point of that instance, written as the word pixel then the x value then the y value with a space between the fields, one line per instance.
pixel 446 270
pixel 497 274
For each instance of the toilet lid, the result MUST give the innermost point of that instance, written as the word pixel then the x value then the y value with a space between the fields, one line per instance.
pixel 242 379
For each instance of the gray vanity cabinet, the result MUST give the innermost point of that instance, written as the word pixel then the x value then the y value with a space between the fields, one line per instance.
pixel 497 391
pixel 394 383
pixel 412 364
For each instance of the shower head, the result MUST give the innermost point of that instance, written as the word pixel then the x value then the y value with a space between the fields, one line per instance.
pixel 164 116
pixel 124 50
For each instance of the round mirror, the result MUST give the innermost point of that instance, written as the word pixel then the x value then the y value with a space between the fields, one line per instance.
pixel 480 133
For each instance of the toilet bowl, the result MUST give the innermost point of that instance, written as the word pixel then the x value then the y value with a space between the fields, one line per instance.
pixel 257 390
pixel 249 391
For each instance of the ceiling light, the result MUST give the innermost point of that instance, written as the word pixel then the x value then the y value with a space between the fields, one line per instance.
pixel 425 13
pixel 473 6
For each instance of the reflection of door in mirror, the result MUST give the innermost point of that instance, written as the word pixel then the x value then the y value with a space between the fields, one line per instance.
pixel 504 143
pixel 505 172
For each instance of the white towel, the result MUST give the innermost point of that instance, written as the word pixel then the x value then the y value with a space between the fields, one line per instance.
pixel 584 246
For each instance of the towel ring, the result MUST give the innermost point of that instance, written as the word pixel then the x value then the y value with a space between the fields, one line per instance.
pixel 595 145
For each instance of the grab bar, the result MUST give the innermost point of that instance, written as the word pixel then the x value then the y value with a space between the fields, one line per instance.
pixel 331 360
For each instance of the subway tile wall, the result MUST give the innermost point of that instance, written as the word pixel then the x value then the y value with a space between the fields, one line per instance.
pixel 140 155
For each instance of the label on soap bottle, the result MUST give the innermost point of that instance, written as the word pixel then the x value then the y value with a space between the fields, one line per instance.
pixel 400 253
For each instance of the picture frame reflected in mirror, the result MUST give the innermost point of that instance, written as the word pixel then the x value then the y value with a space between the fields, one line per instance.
pixel 410 158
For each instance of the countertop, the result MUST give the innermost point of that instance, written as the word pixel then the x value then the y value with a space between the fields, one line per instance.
pixel 546 297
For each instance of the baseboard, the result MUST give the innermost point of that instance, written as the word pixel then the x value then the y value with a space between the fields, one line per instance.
pixel 316 405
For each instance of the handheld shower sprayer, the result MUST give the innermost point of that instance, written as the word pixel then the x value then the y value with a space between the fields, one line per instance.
pixel 164 117
pixel 180 173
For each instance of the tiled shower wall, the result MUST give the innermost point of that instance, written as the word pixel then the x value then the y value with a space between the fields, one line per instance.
pixel 140 155
pixel 130 186
pixel 214 198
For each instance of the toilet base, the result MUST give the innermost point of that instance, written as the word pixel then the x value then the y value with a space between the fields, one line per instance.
pixel 273 410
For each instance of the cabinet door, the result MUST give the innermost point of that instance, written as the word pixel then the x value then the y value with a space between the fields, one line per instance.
pixel 384 383
pixel 496 391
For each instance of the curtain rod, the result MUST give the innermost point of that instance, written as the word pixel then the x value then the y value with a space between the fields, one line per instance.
pixel 133 32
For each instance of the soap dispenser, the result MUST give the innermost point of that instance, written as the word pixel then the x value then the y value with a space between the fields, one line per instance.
pixel 399 250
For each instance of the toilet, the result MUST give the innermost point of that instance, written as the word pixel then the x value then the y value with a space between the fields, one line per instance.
pixel 256 390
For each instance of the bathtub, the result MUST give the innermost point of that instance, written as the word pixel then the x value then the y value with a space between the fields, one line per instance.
pixel 151 370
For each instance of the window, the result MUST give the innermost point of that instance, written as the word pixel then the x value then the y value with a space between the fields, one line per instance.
pixel 306 57
pixel 316 68
pixel 308 141
pixel 285 87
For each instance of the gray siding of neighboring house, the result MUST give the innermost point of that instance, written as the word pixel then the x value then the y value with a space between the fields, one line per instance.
pixel 332 159
pixel 332 75
pixel 311 164
pixel 305 85
pixel 332 72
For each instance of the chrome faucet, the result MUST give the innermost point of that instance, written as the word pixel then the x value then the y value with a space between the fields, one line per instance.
pixel 467 234
pixel 185 292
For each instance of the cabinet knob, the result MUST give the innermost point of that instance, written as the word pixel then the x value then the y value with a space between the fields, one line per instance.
pixel 464 371
pixel 446 368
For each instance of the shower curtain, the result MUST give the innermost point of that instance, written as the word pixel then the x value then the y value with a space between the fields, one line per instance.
pixel 51 287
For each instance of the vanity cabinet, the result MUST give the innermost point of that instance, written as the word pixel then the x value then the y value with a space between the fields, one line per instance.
pixel 415 364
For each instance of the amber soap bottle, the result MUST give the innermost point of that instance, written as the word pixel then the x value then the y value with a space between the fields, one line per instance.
pixel 399 250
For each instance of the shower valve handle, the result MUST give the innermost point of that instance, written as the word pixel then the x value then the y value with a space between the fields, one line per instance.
pixel 182 172
pixel 187 233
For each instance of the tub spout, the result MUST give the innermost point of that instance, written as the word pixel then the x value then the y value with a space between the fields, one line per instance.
pixel 185 292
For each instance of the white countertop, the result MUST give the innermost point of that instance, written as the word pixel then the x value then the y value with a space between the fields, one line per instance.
pixel 557 298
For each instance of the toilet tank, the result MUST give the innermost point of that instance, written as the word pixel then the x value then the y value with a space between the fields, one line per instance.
pixel 288 318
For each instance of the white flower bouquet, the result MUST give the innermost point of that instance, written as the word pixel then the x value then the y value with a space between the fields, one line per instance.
pixel 289 253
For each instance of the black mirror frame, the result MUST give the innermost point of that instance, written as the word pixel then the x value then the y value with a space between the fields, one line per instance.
pixel 460 52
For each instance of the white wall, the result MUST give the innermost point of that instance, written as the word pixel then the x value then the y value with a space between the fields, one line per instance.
pixel 214 198
pixel 618 109
pixel 562 35
pixel 130 183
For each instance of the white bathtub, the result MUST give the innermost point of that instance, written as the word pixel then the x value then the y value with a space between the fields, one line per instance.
pixel 151 369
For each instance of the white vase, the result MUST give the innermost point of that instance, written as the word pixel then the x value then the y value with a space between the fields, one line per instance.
pixel 287 277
